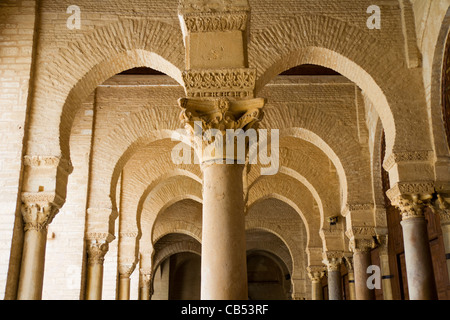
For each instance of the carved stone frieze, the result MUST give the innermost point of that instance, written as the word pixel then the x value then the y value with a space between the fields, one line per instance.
pixel 229 83
pixel 410 188
pixel 406 156
pixel 192 6
pixel 362 244
pixel 36 161
pixel 352 207
pixel 216 21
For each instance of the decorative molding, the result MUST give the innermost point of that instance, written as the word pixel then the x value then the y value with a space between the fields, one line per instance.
pixel 410 188
pixel 362 244
pixel 128 234
pixel 360 232
pixel 351 207
pixel 407 156
pixel 216 21
pixel 99 237
pixel 230 83
pixel 36 161
pixel 189 6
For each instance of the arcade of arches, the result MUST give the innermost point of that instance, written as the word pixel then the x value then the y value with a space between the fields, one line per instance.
pixel 93 205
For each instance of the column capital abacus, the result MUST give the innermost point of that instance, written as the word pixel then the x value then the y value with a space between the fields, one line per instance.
pixel 39 209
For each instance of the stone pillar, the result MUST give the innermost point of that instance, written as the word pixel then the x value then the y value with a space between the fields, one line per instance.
pixel 334 278
pixel 97 247
pixel 220 88
pixel 442 207
pixel 224 269
pixel 386 276
pixel 125 271
pixel 38 210
pixel 361 262
pixel 316 274
pixel 351 277
pixel 127 257
pixel 145 287
pixel 419 266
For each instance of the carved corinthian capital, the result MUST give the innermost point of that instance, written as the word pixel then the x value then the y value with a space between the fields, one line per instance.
pixel 441 206
pixel 333 260
pixel 411 198
pixel 39 209
pixel 206 121
pixel 412 206
pixel 96 252
pixel 221 114
pixel 97 245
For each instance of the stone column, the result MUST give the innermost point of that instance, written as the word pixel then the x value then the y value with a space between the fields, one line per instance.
pixel 386 276
pixel 361 262
pixel 97 247
pixel 316 274
pixel 224 269
pixel 419 266
pixel 127 257
pixel 442 207
pixel 334 278
pixel 145 287
pixel 38 210
pixel 351 277
pixel 125 271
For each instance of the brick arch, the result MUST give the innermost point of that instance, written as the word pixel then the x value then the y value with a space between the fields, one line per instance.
pixel 140 180
pixel 166 194
pixel 179 226
pixel 113 151
pixel 296 253
pixel 178 247
pixel 283 190
pixel 304 168
pixel 355 53
pixel 76 70
pixel 436 97
pixel 286 257
pixel 343 151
